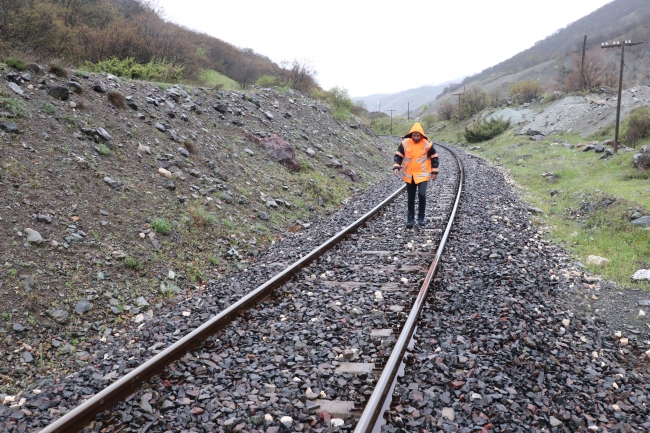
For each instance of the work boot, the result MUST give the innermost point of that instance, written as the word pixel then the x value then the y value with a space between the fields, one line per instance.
pixel 410 223
pixel 421 221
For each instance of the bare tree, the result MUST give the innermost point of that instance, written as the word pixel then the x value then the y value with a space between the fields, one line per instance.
pixel 592 73
pixel 297 74
pixel 246 75
pixel 445 110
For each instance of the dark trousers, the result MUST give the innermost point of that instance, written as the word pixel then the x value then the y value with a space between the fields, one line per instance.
pixel 422 199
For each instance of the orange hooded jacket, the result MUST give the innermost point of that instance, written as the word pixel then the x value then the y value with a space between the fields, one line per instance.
pixel 417 160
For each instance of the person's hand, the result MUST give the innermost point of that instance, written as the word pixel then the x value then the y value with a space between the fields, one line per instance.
pixel 396 171
pixel 434 176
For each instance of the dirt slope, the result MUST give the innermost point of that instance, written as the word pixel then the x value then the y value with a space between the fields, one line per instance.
pixel 104 209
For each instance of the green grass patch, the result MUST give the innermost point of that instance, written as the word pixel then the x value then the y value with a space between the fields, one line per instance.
pixel 571 187
pixel 212 78
pixel 14 106
pixel 161 226
pixel 132 263
pixel 16 63
pixel 48 108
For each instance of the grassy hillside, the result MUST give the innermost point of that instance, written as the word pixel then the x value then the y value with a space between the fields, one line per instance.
pixel 586 202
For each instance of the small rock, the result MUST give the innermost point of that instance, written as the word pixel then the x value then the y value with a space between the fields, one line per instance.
pixel 83 306
pixel 9 127
pixel 27 282
pixel 59 92
pixel 59 316
pixel 641 274
pixel 597 261
pixel 44 219
pixel 449 413
pixel 263 215
pixel 33 236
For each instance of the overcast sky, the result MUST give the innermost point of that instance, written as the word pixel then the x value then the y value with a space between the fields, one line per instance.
pixel 379 46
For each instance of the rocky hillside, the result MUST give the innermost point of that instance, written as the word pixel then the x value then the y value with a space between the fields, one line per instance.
pixel 118 193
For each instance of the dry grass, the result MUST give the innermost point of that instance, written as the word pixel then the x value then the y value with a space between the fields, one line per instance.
pixel 59 70
pixel 117 99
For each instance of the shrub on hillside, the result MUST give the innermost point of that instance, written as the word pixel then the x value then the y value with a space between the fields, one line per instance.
pixel 116 98
pixel 637 126
pixel 14 106
pixel 16 63
pixel 341 103
pixel 525 91
pixel 267 81
pixel 153 71
pixel 486 129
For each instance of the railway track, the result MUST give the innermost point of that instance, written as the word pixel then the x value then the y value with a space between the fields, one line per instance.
pixel 306 348
pixel 503 345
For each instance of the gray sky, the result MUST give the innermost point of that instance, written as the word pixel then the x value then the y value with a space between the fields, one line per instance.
pixel 382 46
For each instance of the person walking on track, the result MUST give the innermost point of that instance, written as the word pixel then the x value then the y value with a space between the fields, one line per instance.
pixel 418 160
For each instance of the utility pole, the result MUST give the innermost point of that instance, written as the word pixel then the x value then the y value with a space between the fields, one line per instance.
pixel 459 112
pixel 622 45
pixel 391 121
pixel 584 49
pixel 380 106
pixel 408 111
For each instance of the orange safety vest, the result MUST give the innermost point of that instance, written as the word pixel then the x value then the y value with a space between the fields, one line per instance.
pixel 416 165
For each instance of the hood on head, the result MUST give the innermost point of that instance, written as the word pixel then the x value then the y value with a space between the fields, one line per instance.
pixel 416 128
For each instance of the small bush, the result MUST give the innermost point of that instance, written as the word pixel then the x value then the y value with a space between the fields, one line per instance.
pixel 153 71
pixel 268 81
pixel 132 263
pixel 103 149
pixel 485 130
pixel 14 106
pixel 59 70
pixel 161 226
pixel 16 63
pixel 525 91
pixel 201 217
pixel 69 120
pixel 116 98
pixel 48 108
pixel 637 126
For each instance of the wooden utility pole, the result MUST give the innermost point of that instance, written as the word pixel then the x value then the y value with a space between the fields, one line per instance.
pixel 459 111
pixel 584 49
pixel 621 45
pixel 391 121
pixel 408 111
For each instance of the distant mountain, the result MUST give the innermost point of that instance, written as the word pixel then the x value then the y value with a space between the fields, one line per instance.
pixel 550 60
pixel 402 101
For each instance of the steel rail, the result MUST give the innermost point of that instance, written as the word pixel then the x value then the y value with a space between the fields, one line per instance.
pixel 375 406
pixel 75 420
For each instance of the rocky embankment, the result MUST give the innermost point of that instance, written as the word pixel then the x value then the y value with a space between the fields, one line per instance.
pixel 119 195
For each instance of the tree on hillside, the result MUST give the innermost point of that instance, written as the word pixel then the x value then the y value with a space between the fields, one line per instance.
pixel 473 101
pixel 298 75
pixel 592 73
pixel 445 110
